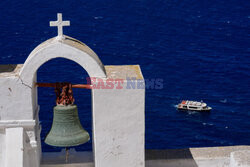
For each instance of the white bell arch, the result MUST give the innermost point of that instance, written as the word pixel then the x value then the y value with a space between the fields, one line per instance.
pixel 67 48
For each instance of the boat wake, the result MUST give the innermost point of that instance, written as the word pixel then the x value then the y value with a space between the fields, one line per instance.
pixel 175 105
pixel 192 112
pixel 223 101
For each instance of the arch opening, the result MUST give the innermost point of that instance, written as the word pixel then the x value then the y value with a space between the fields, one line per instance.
pixel 73 73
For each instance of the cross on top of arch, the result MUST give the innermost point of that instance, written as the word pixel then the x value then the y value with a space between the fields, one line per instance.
pixel 59 24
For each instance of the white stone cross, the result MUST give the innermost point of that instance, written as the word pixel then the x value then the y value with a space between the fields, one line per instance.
pixel 59 24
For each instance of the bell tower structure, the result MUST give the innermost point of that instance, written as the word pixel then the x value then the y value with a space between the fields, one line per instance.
pixel 118 118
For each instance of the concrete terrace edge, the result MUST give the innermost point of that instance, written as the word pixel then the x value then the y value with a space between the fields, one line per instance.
pixel 190 157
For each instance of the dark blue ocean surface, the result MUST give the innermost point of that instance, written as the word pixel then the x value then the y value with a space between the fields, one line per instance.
pixel 201 50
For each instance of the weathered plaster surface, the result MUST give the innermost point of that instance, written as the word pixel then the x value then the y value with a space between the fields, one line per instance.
pixel 124 72
pixel 8 70
pixel 13 94
pixel 119 125
pixel 15 147
pixel 240 158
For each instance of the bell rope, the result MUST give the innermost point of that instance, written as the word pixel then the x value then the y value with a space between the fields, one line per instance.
pixel 64 94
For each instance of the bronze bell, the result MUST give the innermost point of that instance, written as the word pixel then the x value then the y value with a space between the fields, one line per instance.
pixel 66 130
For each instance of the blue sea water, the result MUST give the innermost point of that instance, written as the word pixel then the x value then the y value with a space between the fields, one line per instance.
pixel 200 49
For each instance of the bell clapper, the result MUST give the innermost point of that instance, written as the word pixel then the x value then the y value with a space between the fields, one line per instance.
pixel 66 154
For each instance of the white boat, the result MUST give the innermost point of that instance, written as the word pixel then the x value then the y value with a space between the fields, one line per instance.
pixel 193 106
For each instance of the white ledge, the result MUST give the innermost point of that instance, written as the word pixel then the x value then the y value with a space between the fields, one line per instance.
pixel 17 123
